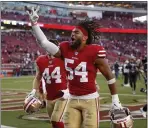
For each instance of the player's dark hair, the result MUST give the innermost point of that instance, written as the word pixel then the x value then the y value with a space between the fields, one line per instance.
pixel 90 25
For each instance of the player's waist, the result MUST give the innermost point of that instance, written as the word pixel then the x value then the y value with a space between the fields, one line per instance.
pixel 54 95
pixel 87 96
pixel 57 94
pixel 56 87
pixel 79 89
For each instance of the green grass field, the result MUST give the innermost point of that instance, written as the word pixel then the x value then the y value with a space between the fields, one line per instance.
pixel 24 84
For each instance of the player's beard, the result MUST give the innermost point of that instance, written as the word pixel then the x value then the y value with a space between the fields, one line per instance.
pixel 76 44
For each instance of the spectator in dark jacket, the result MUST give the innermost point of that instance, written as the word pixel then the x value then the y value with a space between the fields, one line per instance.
pixel 116 68
pixel 133 74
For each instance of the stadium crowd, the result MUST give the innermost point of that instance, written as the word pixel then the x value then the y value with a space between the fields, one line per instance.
pixel 24 49
pixel 119 4
pixel 107 21
pixel 118 47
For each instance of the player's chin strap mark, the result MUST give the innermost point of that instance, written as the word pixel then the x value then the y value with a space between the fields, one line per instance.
pixel 112 81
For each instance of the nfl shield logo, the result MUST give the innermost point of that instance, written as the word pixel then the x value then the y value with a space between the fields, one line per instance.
pixel 76 53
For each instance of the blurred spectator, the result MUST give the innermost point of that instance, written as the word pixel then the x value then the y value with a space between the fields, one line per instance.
pixel 133 74
pixel 116 68
pixel 139 68
pixel 144 62
pixel 126 73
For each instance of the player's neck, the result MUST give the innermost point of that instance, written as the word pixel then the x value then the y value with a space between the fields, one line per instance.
pixel 81 46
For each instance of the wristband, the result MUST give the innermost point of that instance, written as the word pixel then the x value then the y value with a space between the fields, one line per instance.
pixel 111 81
pixel 33 24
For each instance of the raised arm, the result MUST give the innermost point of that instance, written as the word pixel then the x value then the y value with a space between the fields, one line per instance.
pixel 38 33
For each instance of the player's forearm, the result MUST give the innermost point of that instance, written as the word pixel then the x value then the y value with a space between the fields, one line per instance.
pixel 43 42
pixel 111 81
pixel 36 83
pixel 112 88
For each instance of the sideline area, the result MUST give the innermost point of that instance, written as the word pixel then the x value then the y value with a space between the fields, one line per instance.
pixel 3 126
